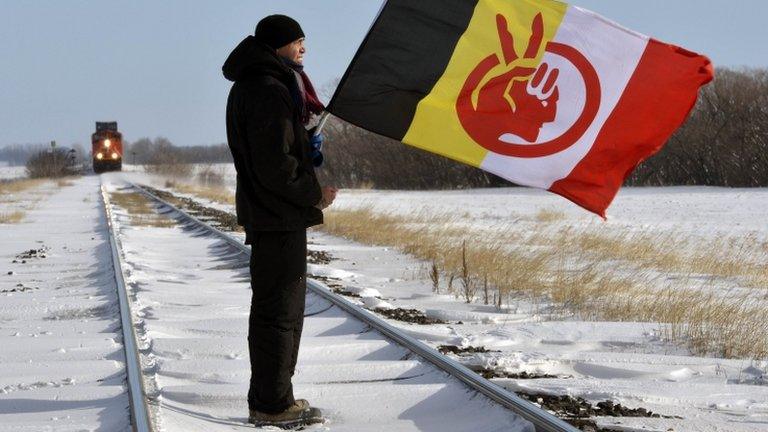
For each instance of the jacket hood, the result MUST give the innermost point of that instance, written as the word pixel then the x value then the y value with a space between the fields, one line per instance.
pixel 251 59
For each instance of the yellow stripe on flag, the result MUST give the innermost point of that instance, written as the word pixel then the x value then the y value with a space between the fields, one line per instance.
pixel 436 126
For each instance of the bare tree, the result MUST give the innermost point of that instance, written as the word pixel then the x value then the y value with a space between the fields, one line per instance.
pixel 58 162
pixel 724 142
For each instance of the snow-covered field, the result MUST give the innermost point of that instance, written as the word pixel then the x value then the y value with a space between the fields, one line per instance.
pixel 11 172
pixel 192 300
pixel 61 361
pixel 62 365
pixel 702 211
pixel 624 362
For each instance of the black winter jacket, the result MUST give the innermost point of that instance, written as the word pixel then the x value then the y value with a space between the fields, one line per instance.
pixel 277 189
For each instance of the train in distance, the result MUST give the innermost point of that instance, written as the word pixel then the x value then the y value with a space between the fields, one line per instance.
pixel 107 147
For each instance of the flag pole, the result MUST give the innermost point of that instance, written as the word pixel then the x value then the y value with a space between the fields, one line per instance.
pixel 321 123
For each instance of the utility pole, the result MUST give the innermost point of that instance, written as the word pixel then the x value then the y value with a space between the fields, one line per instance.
pixel 53 151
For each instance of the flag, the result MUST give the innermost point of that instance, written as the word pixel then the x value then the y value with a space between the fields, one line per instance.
pixel 541 93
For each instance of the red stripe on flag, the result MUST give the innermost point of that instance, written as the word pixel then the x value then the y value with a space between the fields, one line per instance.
pixel 656 101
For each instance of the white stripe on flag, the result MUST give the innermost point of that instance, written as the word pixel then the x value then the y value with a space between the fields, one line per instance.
pixel 614 53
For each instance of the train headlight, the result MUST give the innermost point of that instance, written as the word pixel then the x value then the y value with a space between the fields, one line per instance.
pixel 114 155
pixel 99 156
pixel 107 143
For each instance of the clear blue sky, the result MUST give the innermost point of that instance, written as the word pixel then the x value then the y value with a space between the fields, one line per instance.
pixel 155 66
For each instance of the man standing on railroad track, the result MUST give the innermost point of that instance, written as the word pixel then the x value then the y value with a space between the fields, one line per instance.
pixel 278 197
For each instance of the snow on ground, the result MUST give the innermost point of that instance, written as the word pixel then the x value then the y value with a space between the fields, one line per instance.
pixel 192 299
pixel 701 211
pixel 624 362
pixel 61 362
pixel 11 172
pixel 704 211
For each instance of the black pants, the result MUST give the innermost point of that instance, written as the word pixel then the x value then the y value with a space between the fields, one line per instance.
pixel 278 284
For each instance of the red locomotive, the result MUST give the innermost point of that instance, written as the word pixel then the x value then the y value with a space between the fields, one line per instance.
pixel 107 147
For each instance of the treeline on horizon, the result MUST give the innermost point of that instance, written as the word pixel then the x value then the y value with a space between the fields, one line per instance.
pixel 144 151
pixel 724 142
pixel 161 151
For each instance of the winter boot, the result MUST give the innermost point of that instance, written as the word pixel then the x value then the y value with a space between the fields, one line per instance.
pixel 298 414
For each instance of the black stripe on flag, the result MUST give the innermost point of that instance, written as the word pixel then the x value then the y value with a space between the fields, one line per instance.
pixel 399 62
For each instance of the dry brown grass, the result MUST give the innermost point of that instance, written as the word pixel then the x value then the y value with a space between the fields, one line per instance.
pixel 168 166
pixel 741 259
pixel 11 217
pixel 19 185
pixel 549 215
pixel 65 182
pixel 141 212
pixel 707 322
pixel 570 272
pixel 15 194
pixel 212 193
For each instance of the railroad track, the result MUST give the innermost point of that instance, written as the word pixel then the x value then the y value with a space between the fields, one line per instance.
pixel 140 409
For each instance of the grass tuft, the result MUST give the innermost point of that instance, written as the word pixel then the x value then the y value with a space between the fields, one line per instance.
pixel 11 217
pixel 10 187
pixel 140 209
pixel 66 182
pixel 549 215
pixel 212 192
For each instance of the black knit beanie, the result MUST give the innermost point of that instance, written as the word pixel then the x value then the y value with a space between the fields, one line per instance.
pixel 278 31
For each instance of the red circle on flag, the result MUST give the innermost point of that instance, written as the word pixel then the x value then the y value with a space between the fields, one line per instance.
pixel 495 117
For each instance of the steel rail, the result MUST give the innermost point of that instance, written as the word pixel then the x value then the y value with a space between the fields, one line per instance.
pixel 542 420
pixel 139 410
